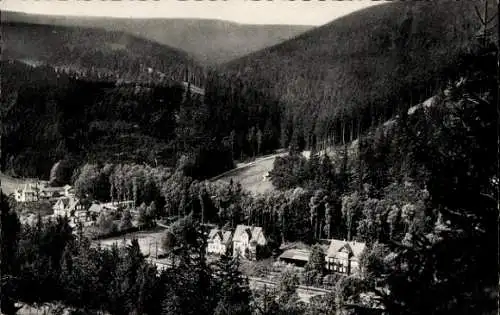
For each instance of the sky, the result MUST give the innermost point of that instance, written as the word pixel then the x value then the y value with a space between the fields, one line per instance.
pixel 312 12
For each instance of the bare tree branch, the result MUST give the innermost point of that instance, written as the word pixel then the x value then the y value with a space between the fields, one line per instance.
pixel 479 15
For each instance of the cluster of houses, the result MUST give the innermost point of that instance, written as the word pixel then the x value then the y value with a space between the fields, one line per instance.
pixel 66 204
pixel 79 211
pixel 340 256
pixel 39 191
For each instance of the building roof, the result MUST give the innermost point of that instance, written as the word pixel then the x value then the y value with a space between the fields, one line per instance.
pixel 73 202
pixel 225 236
pixel 69 202
pixel 356 248
pixel 296 254
pixel 253 232
pixel 53 189
pixel 95 207
pixel 29 188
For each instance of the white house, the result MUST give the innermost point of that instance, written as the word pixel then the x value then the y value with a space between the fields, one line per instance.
pixel 39 190
pixel 246 239
pixel 29 192
pixel 67 206
pixel 343 256
pixel 219 241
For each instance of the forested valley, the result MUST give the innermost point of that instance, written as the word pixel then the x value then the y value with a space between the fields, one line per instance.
pixel 421 193
pixel 420 188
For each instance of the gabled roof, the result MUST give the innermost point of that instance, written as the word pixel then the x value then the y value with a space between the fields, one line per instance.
pixel 296 254
pixel 73 202
pixel 28 188
pixel 356 248
pixel 225 236
pixel 64 201
pixel 254 232
pixel 69 202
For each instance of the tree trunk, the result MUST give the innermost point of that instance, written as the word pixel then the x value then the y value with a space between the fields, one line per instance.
pixel 343 132
pixel 498 95
pixel 352 131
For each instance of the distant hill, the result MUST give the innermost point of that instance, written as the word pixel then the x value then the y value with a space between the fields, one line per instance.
pixel 360 69
pixel 97 51
pixel 209 41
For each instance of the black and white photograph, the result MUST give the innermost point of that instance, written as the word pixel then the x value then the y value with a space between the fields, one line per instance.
pixel 249 157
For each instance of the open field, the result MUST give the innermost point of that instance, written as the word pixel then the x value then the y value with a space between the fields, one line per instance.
pixel 149 241
pixel 305 293
pixel 251 175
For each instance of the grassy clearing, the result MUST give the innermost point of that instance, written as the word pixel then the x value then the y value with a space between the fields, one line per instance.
pixel 251 175
pixel 149 241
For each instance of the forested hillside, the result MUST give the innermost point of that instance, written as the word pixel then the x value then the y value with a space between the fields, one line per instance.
pixel 97 53
pixel 48 116
pixel 209 41
pixel 336 81
pixel 422 194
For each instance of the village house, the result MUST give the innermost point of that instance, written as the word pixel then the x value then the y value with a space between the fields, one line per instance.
pixel 36 191
pixel 219 241
pixel 117 205
pixel 55 192
pixel 29 192
pixel 343 256
pixel 246 239
pixel 68 206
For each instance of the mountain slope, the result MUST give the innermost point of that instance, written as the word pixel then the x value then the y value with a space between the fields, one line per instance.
pixel 209 41
pixel 92 50
pixel 359 69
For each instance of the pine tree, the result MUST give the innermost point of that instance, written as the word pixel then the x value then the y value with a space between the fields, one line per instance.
pixel 315 266
pixel 10 229
pixel 126 221
pixel 233 289
pixel 258 137
pixel 287 297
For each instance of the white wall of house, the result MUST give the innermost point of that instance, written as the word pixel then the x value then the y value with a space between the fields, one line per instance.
pixel 216 247
pixel 25 196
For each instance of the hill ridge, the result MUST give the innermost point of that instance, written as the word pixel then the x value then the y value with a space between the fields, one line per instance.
pixel 339 79
pixel 210 41
pixel 107 53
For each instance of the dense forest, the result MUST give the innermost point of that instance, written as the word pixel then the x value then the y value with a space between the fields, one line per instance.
pixel 49 116
pixel 338 80
pixel 98 54
pixel 46 263
pixel 422 193
pixel 292 95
